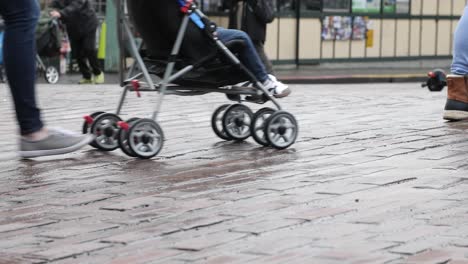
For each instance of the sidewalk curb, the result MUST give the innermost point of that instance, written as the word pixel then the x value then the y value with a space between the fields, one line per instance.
pixel 351 79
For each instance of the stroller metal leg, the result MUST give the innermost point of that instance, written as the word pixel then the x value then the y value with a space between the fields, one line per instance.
pixel 171 64
pixel 39 61
pixel 136 54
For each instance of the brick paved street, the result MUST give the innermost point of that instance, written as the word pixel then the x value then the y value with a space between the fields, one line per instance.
pixel 376 176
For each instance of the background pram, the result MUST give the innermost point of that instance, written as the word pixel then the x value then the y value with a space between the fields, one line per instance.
pixel 49 36
pixel 185 52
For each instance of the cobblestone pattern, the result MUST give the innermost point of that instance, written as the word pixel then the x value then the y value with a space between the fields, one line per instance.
pixel 375 177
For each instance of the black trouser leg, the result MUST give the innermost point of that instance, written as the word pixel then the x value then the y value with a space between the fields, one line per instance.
pixel 261 53
pixel 89 44
pixel 80 53
pixel 19 52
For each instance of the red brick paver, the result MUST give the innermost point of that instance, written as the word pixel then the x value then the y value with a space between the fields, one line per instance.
pixel 376 176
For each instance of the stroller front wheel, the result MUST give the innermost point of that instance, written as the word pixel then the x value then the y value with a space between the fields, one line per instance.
pixel 145 138
pixel 281 130
pixel 52 75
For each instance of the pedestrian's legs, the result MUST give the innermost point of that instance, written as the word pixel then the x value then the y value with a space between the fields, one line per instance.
pixel 456 107
pixel 259 46
pixel 90 52
pixel 19 56
pixel 248 55
pixel 460 50
pixel 78 45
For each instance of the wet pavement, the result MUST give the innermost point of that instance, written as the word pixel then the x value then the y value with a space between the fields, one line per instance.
pixel 376 176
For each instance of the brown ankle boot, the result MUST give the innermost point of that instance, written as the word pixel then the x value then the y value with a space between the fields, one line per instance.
pixel 456 108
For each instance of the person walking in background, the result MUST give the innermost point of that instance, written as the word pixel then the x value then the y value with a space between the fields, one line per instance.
pixel 19 52
pixel 456 107
pixel 81 22
pixel 252 17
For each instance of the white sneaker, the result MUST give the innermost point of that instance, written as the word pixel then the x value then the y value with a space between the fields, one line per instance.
pixel 276 88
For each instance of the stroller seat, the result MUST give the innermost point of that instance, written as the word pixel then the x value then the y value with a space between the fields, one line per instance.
pixel 215 73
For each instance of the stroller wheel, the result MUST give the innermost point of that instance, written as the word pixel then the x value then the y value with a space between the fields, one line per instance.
pixel 105 129
pixel 236 121
pixel 281 129
pixel 87 125
pixel 437 80
pixel 217 122
pixel 257 129
pixel 52 75
pixel 145 138
pixel 122 138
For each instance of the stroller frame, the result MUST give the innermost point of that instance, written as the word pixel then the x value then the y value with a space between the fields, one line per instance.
pixel 144 138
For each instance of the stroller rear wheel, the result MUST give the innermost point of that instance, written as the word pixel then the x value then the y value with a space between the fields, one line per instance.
pixel 122 138
pixel 51 75
pixel 281 130
pixel 236 121
pixel 105 129
pixel 87 125
pixel 257 129
pixel 217 122
pixel 145 138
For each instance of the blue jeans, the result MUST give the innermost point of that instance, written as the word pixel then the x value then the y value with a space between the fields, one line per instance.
pixel 248 56
pixel 460 47
pixel 19 53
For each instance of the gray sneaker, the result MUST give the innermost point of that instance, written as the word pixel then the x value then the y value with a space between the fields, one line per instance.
pixel 58 142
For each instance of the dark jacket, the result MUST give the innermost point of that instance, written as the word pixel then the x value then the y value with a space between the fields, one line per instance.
pixel 250 23
pixel 78 16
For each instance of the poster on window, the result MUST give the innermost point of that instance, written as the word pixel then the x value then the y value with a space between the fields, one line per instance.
pixel 366 6
pixel 336 28
pixel 360 27
pixel 344 28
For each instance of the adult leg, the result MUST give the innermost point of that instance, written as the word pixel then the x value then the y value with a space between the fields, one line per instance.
pixel 456 107
pixel 81 58
pixel 259 46
pixel 90 52
pixel 19 57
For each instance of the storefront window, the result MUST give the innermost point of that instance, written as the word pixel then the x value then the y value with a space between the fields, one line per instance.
pixel 336 5
pixel 311 5
pixel 367 6
pixel 215 5
pixel 402 6
pixel 286 5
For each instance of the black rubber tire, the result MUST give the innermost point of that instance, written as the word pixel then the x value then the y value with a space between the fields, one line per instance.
pixel 275 126
pixel 96 130
pixel 122 138
pixel 255 128
pixel 218 115
pixel 87 128
pixel 133 141
pixel 51 75
pixel 237 116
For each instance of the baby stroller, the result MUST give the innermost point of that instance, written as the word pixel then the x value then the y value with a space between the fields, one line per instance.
pixel 198 65
pixel 49 35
